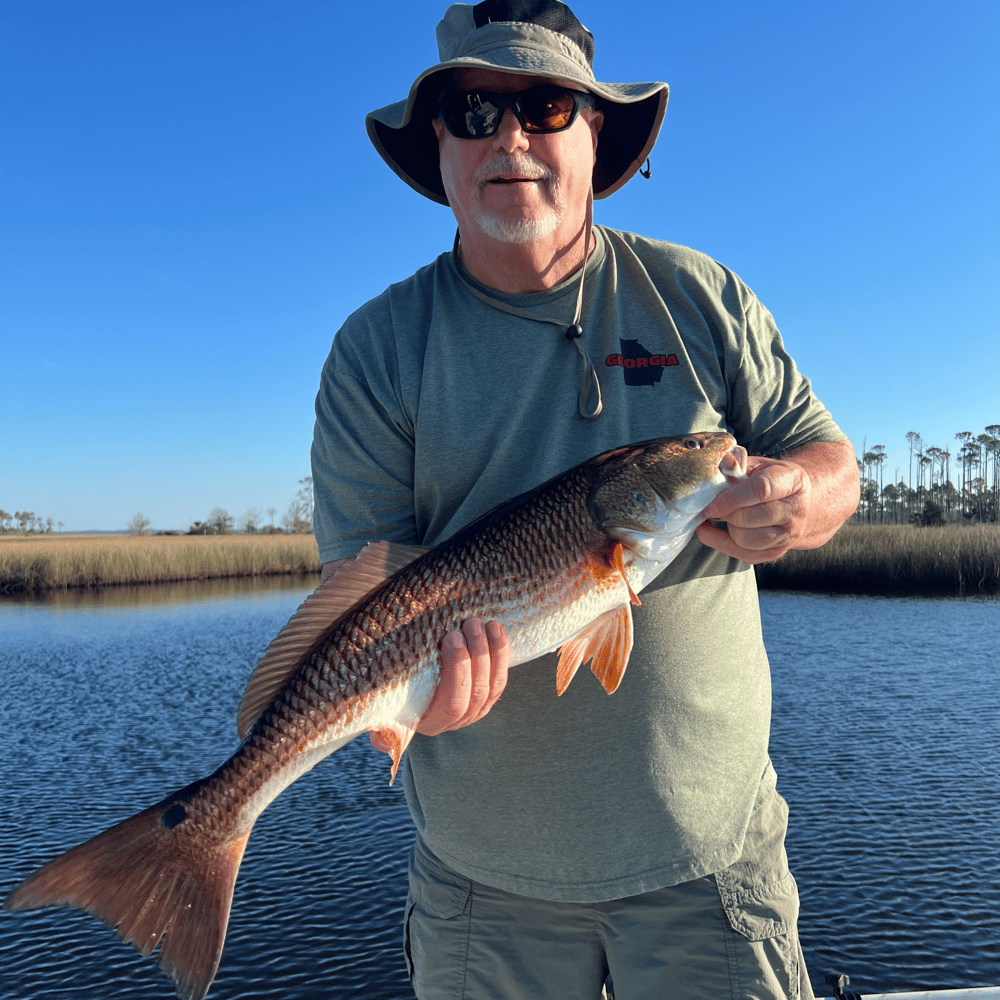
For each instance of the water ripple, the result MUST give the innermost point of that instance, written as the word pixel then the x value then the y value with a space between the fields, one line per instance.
pixel 885 737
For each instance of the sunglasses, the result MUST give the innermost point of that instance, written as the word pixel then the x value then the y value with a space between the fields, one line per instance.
pixel 476 114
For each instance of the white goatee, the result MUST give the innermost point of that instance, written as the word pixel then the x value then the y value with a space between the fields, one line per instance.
pixel 519 230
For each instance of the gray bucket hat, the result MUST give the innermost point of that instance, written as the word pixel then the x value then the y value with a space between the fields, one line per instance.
pixel 530 38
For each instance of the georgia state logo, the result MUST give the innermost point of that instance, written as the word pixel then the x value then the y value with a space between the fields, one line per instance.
pixel 640 367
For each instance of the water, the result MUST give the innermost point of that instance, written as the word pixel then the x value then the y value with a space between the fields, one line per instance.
pixel 885 739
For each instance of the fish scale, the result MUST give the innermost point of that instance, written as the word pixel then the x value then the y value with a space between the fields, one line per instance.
pixel 558 567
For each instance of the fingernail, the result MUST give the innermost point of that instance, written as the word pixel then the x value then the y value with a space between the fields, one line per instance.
pixel 475 626
pixel 493 630
pixel 455 639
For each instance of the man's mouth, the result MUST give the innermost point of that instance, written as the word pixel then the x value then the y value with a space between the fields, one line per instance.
pixel 513 180
pixel 518 169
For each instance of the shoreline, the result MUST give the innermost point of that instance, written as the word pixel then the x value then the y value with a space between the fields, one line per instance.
pixel 877 560
pixel 37 565
pixel 894 560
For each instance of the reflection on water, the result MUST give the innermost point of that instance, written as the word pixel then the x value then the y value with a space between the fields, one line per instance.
pixel 885 738
pixel 129 598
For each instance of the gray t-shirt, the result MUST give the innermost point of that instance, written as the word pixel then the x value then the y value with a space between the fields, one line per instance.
pixel 433 408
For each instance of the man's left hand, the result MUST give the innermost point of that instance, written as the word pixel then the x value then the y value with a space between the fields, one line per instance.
pixel 767 513
pixel 797 502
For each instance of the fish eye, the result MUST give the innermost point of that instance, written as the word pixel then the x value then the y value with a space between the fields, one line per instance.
pixel 692 443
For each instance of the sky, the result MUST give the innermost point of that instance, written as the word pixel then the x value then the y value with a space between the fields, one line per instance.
pixel 190 207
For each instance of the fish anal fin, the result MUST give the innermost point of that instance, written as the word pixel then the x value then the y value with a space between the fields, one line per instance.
pixel 610 661
pixel 396 738
pixel 571 654
pixel 352 582
pixel 606 642
pixel 155 880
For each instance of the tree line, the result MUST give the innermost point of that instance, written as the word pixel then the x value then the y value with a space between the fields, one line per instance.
pixel 942 486
pixel 27 522
pixel 297 520
pixel 928 495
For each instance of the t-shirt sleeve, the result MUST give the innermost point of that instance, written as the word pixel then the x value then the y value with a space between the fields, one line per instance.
pixel 362 452
pixel 771 403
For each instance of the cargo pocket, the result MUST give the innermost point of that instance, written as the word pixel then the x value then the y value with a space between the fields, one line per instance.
pixel 436 928
pixel 765 958
pixel 761 903
pixel 762 911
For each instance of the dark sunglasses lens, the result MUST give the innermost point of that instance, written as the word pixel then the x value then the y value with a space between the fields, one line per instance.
pixel 477 114
pixel 472 115
pixel 546 109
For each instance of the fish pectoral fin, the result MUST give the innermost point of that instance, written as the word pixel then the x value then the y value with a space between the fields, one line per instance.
pixel 607 642
pixel 398 737
pixel 618 562
pixel 373 566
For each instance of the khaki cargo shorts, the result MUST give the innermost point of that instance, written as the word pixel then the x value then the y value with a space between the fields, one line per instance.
pixel 728 935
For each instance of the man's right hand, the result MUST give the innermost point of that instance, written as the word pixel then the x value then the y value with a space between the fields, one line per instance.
pixel 474 665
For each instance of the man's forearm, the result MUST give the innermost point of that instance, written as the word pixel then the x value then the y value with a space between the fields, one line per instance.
pixel 833 473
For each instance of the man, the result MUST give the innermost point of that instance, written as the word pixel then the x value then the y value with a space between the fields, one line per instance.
pixel 560 841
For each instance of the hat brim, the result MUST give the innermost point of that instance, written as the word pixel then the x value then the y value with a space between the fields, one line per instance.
pixel 405 138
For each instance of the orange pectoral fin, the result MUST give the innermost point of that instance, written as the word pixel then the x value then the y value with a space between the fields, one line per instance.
pixel 618 562
pixel 398 737
pixel 607 642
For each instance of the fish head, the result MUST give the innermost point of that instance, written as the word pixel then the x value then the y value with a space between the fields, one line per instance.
pixel 650 496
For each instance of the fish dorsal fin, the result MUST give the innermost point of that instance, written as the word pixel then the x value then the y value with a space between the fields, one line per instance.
pixel 607 641
pixel 352 581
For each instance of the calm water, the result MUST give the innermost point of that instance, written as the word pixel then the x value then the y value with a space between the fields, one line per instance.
pixel 885 738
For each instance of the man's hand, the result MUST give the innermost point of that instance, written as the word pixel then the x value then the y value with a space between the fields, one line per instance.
pixel 767 513
pixel 474 665
pixel 797 502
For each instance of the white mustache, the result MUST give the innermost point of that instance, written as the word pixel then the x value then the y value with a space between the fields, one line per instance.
pixel 511 164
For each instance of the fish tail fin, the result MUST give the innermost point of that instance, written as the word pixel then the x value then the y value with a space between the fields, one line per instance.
pixel 156 883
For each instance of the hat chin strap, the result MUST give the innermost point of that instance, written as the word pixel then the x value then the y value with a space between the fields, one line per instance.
pixel 574 332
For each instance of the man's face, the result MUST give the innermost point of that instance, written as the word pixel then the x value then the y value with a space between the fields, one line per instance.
pixel 515 186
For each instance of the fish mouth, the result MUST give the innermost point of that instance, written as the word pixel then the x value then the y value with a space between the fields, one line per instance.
pixel 731 468
pixel 733 465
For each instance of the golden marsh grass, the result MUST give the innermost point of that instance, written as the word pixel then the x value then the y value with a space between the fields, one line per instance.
pixel 868 559
pixel 35 563
pixel 953 559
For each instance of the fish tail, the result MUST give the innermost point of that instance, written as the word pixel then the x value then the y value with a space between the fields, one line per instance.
pixel 158 879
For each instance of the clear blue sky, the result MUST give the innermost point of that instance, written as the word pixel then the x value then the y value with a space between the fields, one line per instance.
pixel 189 206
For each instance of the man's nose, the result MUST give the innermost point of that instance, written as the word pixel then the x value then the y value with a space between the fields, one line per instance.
pixel 509 135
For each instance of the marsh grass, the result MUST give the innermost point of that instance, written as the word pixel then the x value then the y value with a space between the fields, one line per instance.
pixel 32 564
pixel 865 559
pixel 896 559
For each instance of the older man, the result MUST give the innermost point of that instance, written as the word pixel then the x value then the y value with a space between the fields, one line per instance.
pixel 560 842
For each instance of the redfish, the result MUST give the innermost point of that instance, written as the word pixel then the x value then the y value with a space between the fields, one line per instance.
pixel 558 566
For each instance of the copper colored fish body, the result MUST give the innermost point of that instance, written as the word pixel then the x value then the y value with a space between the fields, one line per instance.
pixel 558 566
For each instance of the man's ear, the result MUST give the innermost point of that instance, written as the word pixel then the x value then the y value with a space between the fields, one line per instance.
pixel 596 122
